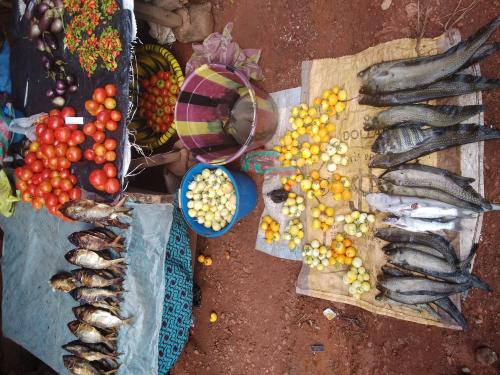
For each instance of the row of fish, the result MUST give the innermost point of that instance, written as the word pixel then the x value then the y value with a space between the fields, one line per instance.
pixel 98 286
pixel 424 272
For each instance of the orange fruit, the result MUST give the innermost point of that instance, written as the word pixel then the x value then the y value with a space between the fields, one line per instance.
pixel 337 187
pixel 350 252
pixel 346 195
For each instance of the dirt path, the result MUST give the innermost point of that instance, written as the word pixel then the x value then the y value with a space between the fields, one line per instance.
pixel 264 327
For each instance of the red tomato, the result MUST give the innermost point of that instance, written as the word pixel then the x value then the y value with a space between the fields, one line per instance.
pixel 37 166
pixel 99 159
pixel 57 191
pixel 46 174
pixel 21 185
pixel 53 163
pixel 65 174
pixel 110 144
pixel 45 186
pixel 163 128
pixel 68 112
pixel 64 197
pixel 55 174
pixel 110 156
pixel 72 126
pixel 164 92
pixel 26 174
pixel 54 112
pixel 34 146
pixel 30 157
pixel 63 134
pixel 111 125
pixel 75 194
pixel 100 108
pixel 116 116
pixel 74 154
pixel 50 200
pixel 49 151
pixel 112 186
pixel 37 203
pixel 97 177
pixel 47 136
pixel 110 89
pixel 61 149
pixel 56 182
pixel 39 192
pixel 109 169
pixel 32 189
pixel 99 136
pixel 63 163
pixel 99 95
pixel 99 125
pixel 100 187
pixel 40 128
pixel 55 122
pixel 104 116
pixel 73 179
pixel 89 129
pixel 89 154
pixel 78 137
pixel 110 103
pixel 99 149
pixel 19 172
pixel 66 185
pixel 53 210
pixel 91 107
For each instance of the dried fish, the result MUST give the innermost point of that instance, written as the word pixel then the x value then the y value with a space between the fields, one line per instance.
pixel 84 351
pixel 98 318
pixel 95 278
pixel 90 259
pixel 92 212
pixel 88 334
pixel 79 366
pixel 87 295
pixel 96 241
pixel 63 281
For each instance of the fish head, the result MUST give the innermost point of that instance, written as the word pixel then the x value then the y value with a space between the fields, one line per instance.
pixel 70 256
pixel 75 209
pixel 73 326
pixel 74 238
pixel 371 123
pixel 75 293
pixel 69 361
pixel 391 220
pixel 63 281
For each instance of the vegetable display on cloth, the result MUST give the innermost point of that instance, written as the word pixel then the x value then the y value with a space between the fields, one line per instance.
pixel 46 178
pixel 82 37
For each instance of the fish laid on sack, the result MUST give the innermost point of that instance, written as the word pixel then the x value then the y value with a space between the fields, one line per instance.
pixel 415 72
pixel 90 259
pixel 422 225
pixel 447 305
pixel 91 335
pixel 63 282
pixel 457 84
pixel 432 240
pixel 88 353
pixel 416 207
pixel 402 138
pixel 95 278
pixel 422 114
pixel 450 136
pixel 97 213
pixel 428 265
pixel 96 241
pixel 98 318
pixel 88 295
pixel 393 246
pixel 424 176
pixel 79 366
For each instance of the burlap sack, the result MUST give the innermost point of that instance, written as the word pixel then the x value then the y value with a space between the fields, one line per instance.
pixel 318 75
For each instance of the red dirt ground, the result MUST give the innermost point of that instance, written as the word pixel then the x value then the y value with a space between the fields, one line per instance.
pixel 264 327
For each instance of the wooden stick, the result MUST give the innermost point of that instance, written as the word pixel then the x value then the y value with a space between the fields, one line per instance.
pixel 157 15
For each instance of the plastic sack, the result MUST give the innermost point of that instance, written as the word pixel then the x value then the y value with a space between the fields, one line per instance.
pixel 25 125
pixel 220 48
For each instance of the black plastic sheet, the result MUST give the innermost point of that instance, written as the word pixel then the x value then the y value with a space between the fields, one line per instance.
pixel 30 81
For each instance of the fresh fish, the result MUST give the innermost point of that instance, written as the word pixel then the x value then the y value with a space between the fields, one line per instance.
pixel 455 85
pixel 424 176
pixel 437 195
pixel 86 295
pixel 408 245
pixel 417 307
pixel 92 212
pixel 84 351
pixel 79 366
pixel 402 138
pixel 98 318
pixel 95 278
pixel 451 136
pixel 429 265
pixel 422 225
pixel 95 241
pixel 91 335
pixel 447 305
pixel 415 207
pixel 63 282
pixel 422 114
pixel 432 240
pixel 417 72
pixel 90 259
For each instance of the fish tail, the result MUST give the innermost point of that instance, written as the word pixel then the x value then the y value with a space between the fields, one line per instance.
pixel 121 202
pixel 465 265
pixel 482 53
pixel 128 320
pixel 447 305
pixel 478 283
pixel 117 262
pixel 116 281
pixel 117 244
pixel 494 207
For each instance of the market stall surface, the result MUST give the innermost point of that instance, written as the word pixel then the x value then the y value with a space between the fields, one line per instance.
pixel 264 327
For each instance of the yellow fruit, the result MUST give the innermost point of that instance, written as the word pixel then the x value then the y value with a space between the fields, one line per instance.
pixel 264 226
pixel 301 131
pixel 321 207
pixel 340 106
pixel 317 101
pixel 324 105
pixel 323 119
pixel 269 235
pixel 267 219
pixel 323 184
pixel 330 211
pixel 325 227
pixel 330 127
pixel 208 261
pixel 314 174
pixel 277 148
pixel 348 261
pixel 301 162
pixel 339 237
pixel 302 113
pixel 312 112
pixel 201 258
pixel 314 149
pixel 337 187
pixel 331 261
pixel 291 245
pixel 350 252
pixel 307 120
pixel 298 122
pixel 306 153
pixel 316 224
pixel 339 247
pixel 337 196
pixel 295 111
pixel 213 317
pixel 330 111
pixel 346 195
pixel 341 259
pixel 316 138
pixel 275 227
pixel 335 90
pixel 326 94
pixel 342 95
pixel 347 242
pixel 333 99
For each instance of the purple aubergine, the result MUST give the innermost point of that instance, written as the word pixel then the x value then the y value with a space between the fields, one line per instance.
pixel 50 93
pixel 70 79
pixel 50 41
pixel 34 31
pixel 58 101
pixel 60 84
pixel 56 26
pixel 73 88
pixel 40 10
pixel 40 45
pixel 61 92
pixel 45 22
pixel 59 4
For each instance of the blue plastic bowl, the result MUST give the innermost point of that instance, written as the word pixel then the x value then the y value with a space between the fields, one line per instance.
pixel 246 198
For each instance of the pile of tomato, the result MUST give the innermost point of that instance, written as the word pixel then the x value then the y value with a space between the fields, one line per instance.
pixel 103 151
pixel 157 99
pixel 46 179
